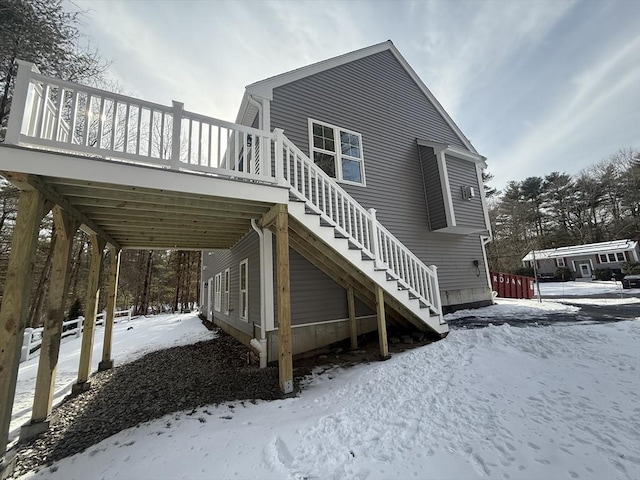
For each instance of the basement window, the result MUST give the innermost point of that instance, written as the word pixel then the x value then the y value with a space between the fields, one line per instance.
pixel 337 151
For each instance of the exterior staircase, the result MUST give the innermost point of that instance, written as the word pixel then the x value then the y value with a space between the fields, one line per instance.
pixel 343 239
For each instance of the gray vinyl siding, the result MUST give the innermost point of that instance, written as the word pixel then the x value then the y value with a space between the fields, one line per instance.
pixel 468 213
pixel 434 198
pixel 376 97
pixel 315 297
pixel 218 261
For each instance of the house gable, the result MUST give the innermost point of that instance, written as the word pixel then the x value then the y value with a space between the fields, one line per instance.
pixel 265 88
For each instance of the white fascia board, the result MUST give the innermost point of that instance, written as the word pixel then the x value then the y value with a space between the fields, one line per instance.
pixel 437 146
pixel 264 88
pixel 55 164
pixel 454 151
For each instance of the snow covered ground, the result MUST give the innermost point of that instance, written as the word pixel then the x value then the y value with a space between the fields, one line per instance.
pixel 131 340
pixel 578 288
pixel 497 402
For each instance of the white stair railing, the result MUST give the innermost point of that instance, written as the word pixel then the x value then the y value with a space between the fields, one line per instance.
pixel 324 196
pixel 69 117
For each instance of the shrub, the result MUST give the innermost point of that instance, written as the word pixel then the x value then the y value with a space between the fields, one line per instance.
pixel 631 268
pixel 563 274
pixel 524 271
pixel 75 310
pixel 603 274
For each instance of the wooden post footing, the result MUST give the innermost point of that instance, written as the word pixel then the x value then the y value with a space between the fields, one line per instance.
pixel 105 365
pixel 33 429
pixel 78 388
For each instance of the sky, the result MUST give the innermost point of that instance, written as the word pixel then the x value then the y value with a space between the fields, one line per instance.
pixel 537 86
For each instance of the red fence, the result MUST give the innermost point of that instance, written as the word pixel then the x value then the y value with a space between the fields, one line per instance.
pixel 512 286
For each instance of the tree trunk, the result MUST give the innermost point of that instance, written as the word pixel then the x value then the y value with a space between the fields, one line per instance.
pixel 144 303
pixel 43 284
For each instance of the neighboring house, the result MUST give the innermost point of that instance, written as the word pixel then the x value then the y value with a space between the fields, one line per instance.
pixel 367 120
pixel 583 260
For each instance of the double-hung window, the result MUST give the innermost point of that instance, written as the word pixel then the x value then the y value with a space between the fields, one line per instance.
pixel 337 151
pixel 560 262
pixel 244 289
pixel 217 281
pixel 225 285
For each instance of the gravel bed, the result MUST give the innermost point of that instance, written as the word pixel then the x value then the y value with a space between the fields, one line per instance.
pixel 157 384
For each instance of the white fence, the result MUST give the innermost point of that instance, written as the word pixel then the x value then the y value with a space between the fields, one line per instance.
pixel 33 336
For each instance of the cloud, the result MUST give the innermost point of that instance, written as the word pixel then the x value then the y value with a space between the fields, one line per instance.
pixel 475 40
pixel 588 113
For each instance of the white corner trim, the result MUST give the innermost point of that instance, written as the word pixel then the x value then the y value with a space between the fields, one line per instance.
pixel 483 199
pixel 446 190
pixel 266 114
pixel 267 278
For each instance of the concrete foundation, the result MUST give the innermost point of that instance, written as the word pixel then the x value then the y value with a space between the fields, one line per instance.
pixel 457 299
pixel 105 365
pixel 33 429
pixel 309 337
pixel 77 388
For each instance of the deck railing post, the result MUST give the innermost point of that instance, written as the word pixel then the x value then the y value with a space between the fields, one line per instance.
pixel 375 243
pixel 19 101
pixel 436 291
pixel 278 146
pixel 178 108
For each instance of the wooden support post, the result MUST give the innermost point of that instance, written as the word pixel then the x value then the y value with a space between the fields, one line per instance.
pixel 66 228
pixel 285 363
pixel 15 303
pixel 107 361
pixel 353 327
pixel 91 310
pixel 382 324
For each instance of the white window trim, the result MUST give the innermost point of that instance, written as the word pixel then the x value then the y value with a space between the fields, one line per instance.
pixel 615 254
pixel 242 308
pixel 226 283
pixel 560 262
pixel 338 151
pixel 217 292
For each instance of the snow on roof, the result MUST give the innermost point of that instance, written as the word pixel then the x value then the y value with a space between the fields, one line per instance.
pixel 588 249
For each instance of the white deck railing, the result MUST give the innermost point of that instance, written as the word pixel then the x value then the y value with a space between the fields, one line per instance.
pixel 69 117
pixel 327 198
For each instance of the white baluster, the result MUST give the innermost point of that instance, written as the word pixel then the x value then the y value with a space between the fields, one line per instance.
pixel 375 245
pixel 178 108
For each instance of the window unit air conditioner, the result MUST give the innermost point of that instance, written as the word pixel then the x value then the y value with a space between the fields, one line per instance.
pixel 468 192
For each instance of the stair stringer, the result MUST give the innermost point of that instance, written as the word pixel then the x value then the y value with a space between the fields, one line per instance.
pixel 399 299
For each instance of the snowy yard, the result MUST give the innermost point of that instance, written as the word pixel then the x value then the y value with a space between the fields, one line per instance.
pixel 131 340
pixel 577 288
pixel 497 402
